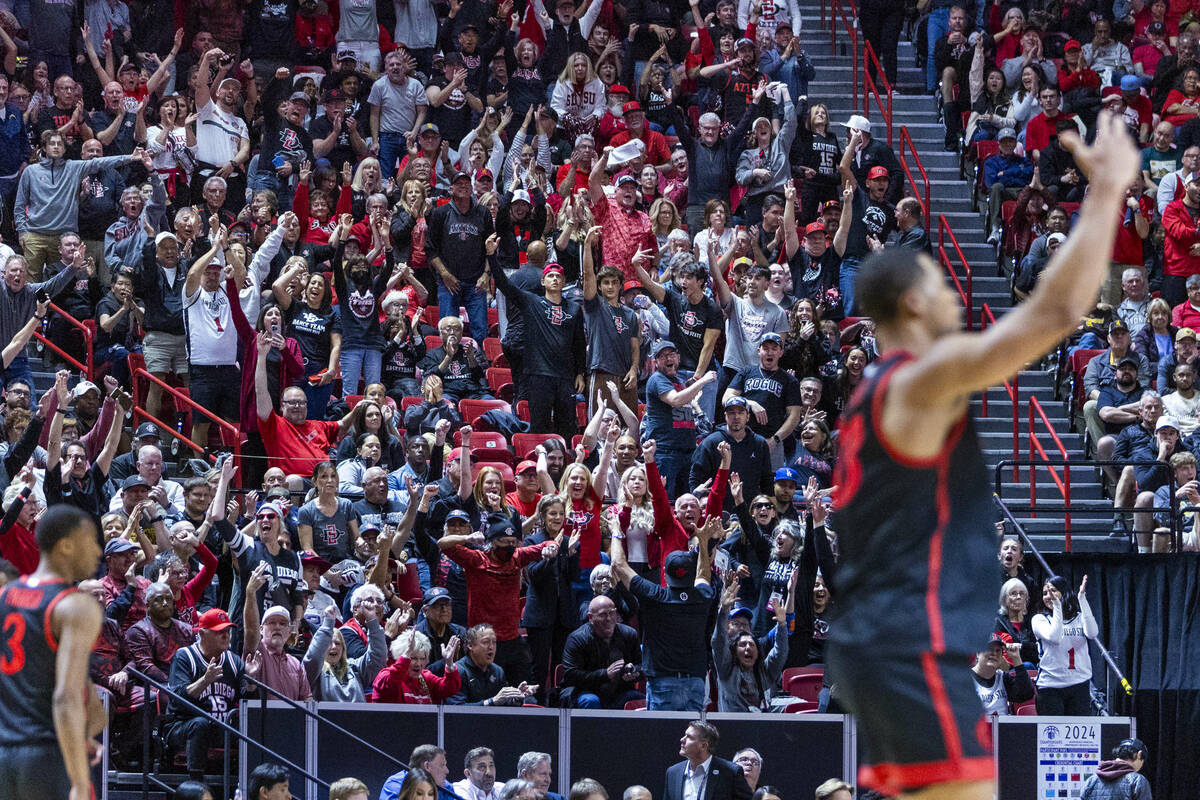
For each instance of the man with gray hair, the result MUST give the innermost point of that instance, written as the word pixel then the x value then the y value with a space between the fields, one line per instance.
pixel 751 762
pixel 537 768
pixel 711 159
pixel 125 239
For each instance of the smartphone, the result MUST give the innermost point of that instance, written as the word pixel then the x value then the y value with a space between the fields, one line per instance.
pixel 274 328
pixel 42 296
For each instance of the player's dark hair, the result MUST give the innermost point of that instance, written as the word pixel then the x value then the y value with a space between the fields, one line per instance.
pixel 265 776
pixel 1128 749
pixel 59 522
pixel 191 790
pixel 883 277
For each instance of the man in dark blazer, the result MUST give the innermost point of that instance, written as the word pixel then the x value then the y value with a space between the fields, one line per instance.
pixel 703 776
pixel 602 660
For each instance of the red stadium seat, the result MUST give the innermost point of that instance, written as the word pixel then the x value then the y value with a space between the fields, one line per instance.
pixel 801 707
pixel 1027 709
pixel 493 351
pixel 489 454
pixel 430 315
pixel 805 687
pixel 1079 362
pixel 635 705
pixel 489 439
pixel 472 410
pixel 498 376
pixel 523 410
pixel 524 443
pixel 792 672
pixel 408 402
pixel 433 342
pixel 352 400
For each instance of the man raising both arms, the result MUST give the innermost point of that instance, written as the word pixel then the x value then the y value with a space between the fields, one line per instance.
pixel 915 510
pixel 47 629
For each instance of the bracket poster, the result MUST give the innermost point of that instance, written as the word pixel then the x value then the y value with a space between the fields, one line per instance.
pixel 1068 754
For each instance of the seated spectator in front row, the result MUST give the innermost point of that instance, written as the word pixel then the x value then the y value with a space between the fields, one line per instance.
pixel 1005 174
pixel 594 678
pixel 1101 370
pixel 459 362
pixel 1156 339
pixel 482 679
pixel 1186 495
pixel 479 781
pixel 999 690
pixel 1149 479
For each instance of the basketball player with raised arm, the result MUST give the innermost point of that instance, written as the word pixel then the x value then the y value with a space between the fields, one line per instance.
pixel 914 507
pixel 49 709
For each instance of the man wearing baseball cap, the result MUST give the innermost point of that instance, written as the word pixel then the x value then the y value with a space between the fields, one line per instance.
pixel 657 152
pixel 555 348
pixel 871 163
pixel 999 690
pixel 336 135
pixel 286 142
pixel 1005 174
pixel 526 496
pixel 773 398
pixel 668 419
pixel 456 249
pixel 783 493
pixel 264 647
pixel 813 263
pixel 735 447
pixel 520 221
pixel 868 152
pixel 626 230
pixel 211 676
pixel 435 622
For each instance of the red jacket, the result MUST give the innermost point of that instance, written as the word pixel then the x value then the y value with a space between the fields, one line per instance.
pixel 1185 315
pixel 669 534
pixel 394 685
pixel 1181 229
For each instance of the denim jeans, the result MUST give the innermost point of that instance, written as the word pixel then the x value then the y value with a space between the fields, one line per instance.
pixel 673 465
pixel 675 694
pixel 19 370
pixel 708 395
pixel 392 148
pixel 470 298
pixel 264 179
pixel 589 700
pixel 939 26
pixel 116 359
pixel 360 363
pixel 847 273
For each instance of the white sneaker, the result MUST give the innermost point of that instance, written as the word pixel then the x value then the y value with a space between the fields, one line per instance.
pixel 994 238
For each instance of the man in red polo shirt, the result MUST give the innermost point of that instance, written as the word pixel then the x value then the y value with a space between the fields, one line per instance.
pixel 494 586
pixel 526 496
pixel 293 442
pixel 657 152
pixel 626 230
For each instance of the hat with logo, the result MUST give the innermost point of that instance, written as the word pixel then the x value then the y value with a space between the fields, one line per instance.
pixel 333 95
pixel 300 97
pixel 618 88
pixel 458 514
pixel 499 526
pixel 435 594
pixel 525 466
pixel 787 474
pixel 1166 421
pixel 626 178
pixel 1117 325
pixel 147 430
pixel 1006 133
pixel 133 481
pixel 771 336
pixel 1156 28
pixel 814 227
pixel 215 619
pixel 459 175
pixel 632 105
pixel 314 560
pixel 553 266
pixel 521 196
pixel 877 172
pixel 429 127
pixel 1131 83
pixel 1185 333
pixel 1072 44
pixel 346 54
pixel 736 401
pixel 680 569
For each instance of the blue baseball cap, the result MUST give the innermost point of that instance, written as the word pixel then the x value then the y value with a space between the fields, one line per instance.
pixel 740 610
pixel 771 336
pixel 787 474
pixel 433 594
pixel 660 345
pixel 460 515
pixel 737 401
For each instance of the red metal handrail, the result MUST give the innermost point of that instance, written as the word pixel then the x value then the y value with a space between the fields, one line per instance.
pixel 180 397
pixel 87 369
pixel 1063 483
pixel 965 286
pixel 870 89
pixel 1013 389
pixel 837 10
pixel 906 144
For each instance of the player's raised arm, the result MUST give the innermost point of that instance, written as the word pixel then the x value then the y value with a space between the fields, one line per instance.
pixel 958 365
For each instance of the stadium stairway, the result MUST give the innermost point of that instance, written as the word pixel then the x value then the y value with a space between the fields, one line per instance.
pixel 950 197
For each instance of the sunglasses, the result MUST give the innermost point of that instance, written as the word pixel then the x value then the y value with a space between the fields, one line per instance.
pixel 757 506
pixel 267 516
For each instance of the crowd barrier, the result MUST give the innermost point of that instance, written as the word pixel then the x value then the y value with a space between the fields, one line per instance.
pixel 617 748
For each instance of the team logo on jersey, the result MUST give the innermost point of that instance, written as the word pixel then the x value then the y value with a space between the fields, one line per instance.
pixel 555 315
pixel 619 322
pixel 289 140
pixel 362 304
pixel 689 319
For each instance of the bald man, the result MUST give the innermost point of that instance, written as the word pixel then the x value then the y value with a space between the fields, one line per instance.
pixel 595 679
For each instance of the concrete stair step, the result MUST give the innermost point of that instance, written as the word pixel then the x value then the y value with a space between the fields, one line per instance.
pixel 1019 492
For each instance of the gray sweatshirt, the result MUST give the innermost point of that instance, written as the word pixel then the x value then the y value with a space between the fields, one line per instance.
pixel 361 672
pixel 17 307
pixel 774 159
pixel 764 676
pixel 48 193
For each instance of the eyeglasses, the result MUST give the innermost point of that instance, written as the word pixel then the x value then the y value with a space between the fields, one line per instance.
pixel 755 762
pixel 757 506
pixel 267 515
pixel 18 391
pixel 293 403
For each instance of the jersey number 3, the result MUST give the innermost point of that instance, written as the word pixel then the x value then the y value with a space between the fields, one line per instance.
pixel 13 631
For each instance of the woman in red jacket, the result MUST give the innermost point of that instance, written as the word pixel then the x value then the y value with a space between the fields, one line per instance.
pixel 406 680
pixel 174 570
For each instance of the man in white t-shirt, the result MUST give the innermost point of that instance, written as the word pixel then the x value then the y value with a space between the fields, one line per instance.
pixel 222 137
pixel 398 106
pixel 1184 403
pixel 212 343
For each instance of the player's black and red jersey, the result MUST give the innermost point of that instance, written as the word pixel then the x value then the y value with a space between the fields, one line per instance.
pixel 913 595
pixel 916 539
pixel 27 660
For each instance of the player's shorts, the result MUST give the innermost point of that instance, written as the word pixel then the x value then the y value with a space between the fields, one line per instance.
pixel 33 771
pixel 919 718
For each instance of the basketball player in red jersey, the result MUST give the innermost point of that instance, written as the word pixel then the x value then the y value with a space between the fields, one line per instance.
pixel 49 710
pixel 914 505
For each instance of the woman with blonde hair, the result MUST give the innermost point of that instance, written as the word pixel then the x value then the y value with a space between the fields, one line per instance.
pixel 633 515
pixel 408 231
pixel 574 221
pixel 368 179
pixel 482 147
pixel 579 96
pixel 664 218
pixel 332 676
pixel 583 504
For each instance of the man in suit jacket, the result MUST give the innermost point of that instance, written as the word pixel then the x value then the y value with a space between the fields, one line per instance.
pixel 602 660
pixel 703 776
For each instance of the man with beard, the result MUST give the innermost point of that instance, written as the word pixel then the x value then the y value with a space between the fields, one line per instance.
pixel 153 640
pixel 494 586
pixel 737 448
pixel 263 648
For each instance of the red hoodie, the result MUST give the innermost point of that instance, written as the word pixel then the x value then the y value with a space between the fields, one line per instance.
pixel 394 684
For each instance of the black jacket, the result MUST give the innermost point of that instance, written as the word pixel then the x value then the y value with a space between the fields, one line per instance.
pixel 586 658
pixel 477 685
pixel 725 781
pixel 751 460
pixel 549 598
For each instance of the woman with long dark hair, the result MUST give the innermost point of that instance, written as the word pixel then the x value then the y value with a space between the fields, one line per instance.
pixel 369 417
pixel 806 350
pixel 1065 670
pixel 316 329
pixel 327 524
pixel 816 455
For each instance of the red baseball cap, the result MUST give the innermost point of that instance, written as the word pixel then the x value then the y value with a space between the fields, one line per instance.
pixel 455 454
pixel 553 266
pixel 632 105
pixel 215 619
pixel 617 88
pixel 814 227
pixel 1071 45
pixel 631 286
pixel 877 172
pixel 525 466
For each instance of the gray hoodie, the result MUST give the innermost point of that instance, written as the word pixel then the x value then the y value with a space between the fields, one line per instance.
pixel 762 679
pixel 361 672
pixel 774 159
pixel 48 193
